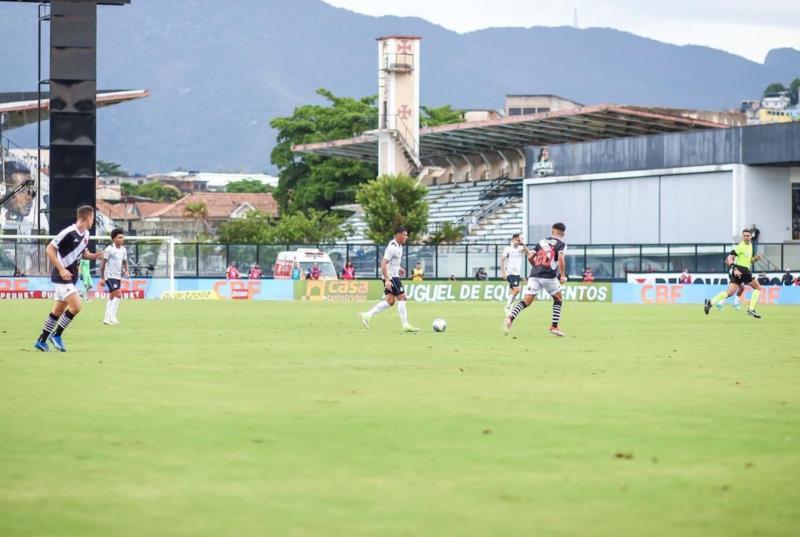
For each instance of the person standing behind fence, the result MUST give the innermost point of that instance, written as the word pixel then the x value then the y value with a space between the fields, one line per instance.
pixel 349 272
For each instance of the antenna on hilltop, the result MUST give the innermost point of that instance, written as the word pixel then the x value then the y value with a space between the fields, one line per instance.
pixel 575 18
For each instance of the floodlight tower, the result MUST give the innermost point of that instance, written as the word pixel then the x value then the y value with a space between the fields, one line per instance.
pixel 398 105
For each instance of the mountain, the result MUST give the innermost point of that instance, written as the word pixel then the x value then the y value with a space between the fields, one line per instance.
pixel 219 71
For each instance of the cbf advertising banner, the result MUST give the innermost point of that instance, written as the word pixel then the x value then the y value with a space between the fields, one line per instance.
pixel 499 291
pixel 696 279
pixel 627 293
pixel 158 288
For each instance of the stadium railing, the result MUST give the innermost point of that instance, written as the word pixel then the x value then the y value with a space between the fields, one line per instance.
pixel 154 256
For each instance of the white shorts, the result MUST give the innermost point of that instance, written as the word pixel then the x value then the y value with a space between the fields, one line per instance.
pixel 63 290
pixel 551 285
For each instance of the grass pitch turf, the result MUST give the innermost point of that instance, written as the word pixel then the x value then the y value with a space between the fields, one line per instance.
pixel 235 418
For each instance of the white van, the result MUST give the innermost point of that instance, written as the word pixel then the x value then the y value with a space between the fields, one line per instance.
pixel 305 257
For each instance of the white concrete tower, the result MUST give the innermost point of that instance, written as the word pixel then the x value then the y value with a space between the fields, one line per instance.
pixel 398 105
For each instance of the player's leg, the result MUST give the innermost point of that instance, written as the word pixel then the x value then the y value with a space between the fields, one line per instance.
pixel 403 312
pixel 751 310
pixel 513 283
pixel 737 300
pixel 387 302
pixel 73 301
pixel 556 317
pixel 114 299
pixel 722 295
pixel 528 296
pixel 87 286
pixel 50 324
pixel 109 313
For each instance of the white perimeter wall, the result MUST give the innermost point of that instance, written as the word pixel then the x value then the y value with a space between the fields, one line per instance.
pixel 689 205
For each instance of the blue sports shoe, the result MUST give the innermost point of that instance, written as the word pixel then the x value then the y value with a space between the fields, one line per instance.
pixel 58 344
pixel 40 346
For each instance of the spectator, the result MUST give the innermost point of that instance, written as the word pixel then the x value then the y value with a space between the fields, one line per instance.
pixel 481 275
pixel 587 275
pixel 232 273
pixel 755 233
pixel 787 278
pixel 762 279
pixel 452 278
pixel 255 272
pixel 418 274
pixel 349 272
pixel 685 276
pixel 296 273
pixel 797 281
pixel 315 272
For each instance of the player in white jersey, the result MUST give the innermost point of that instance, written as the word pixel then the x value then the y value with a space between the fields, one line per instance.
pixel 64 252
pixel 114 267
pixel 511 261
pixel 391 270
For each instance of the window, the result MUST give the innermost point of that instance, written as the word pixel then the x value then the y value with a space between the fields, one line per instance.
pixel 514 111
pixel 527 111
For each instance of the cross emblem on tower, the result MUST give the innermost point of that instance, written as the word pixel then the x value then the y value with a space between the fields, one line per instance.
pixel 404 47
pixel 404 112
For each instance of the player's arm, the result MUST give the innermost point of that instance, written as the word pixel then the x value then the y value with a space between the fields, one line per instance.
pixel 385 271
pixel 92 256
pixel 52 256
pixel 125 273
pixel 103 270
pixel 562 266
pixel 503 259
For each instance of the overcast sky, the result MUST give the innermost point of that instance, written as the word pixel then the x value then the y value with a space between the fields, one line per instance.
pixel 749 28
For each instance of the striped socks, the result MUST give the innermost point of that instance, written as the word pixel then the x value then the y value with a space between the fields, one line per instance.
pixel 517 310
pixel 556 312
pixel 63 322
pixel 49 325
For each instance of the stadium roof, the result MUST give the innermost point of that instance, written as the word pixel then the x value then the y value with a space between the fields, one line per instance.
pixel 99 2
pixel 515 132
pixel 20 107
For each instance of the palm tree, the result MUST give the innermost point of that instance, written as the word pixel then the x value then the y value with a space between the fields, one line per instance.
pixel 198 212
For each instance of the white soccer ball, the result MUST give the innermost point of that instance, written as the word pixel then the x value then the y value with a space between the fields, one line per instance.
pixel 439 325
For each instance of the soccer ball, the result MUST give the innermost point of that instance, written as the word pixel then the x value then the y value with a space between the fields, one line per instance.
pixel 439 325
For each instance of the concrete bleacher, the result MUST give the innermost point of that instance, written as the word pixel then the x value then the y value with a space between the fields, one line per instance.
pixel 488 209
pixel 499 226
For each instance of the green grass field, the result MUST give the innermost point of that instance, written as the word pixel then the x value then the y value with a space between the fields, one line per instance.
pixel 236 418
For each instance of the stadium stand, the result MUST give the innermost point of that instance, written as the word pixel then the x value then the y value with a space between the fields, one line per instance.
pixel 486 209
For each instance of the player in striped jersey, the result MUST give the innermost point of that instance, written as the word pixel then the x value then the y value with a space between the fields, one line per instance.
pixel 393 286
pixel 65 252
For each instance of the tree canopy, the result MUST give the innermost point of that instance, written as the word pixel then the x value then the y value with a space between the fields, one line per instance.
pixel 315 182
pixel 299 228
pixel 443 115
pixel 390 201
pixel 109 169
pixel 248 185
pixel 154 191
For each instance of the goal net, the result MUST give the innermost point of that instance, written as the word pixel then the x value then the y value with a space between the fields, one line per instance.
pixel 148 257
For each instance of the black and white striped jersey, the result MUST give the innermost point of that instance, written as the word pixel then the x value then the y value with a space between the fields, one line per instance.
pixel 70 245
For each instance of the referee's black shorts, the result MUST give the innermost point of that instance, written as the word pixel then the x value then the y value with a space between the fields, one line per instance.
pixel 397 287
pixel 744 278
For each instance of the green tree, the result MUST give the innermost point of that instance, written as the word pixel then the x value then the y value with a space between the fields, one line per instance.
pixel 315 182
pixel 153 191
pixel 775 87
pixel 448 233
pixel 248 185
pixel 299 228
pixel 390 201
pixel 443 115
pixel 107 169
pixel 794 91
pixel 198 212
